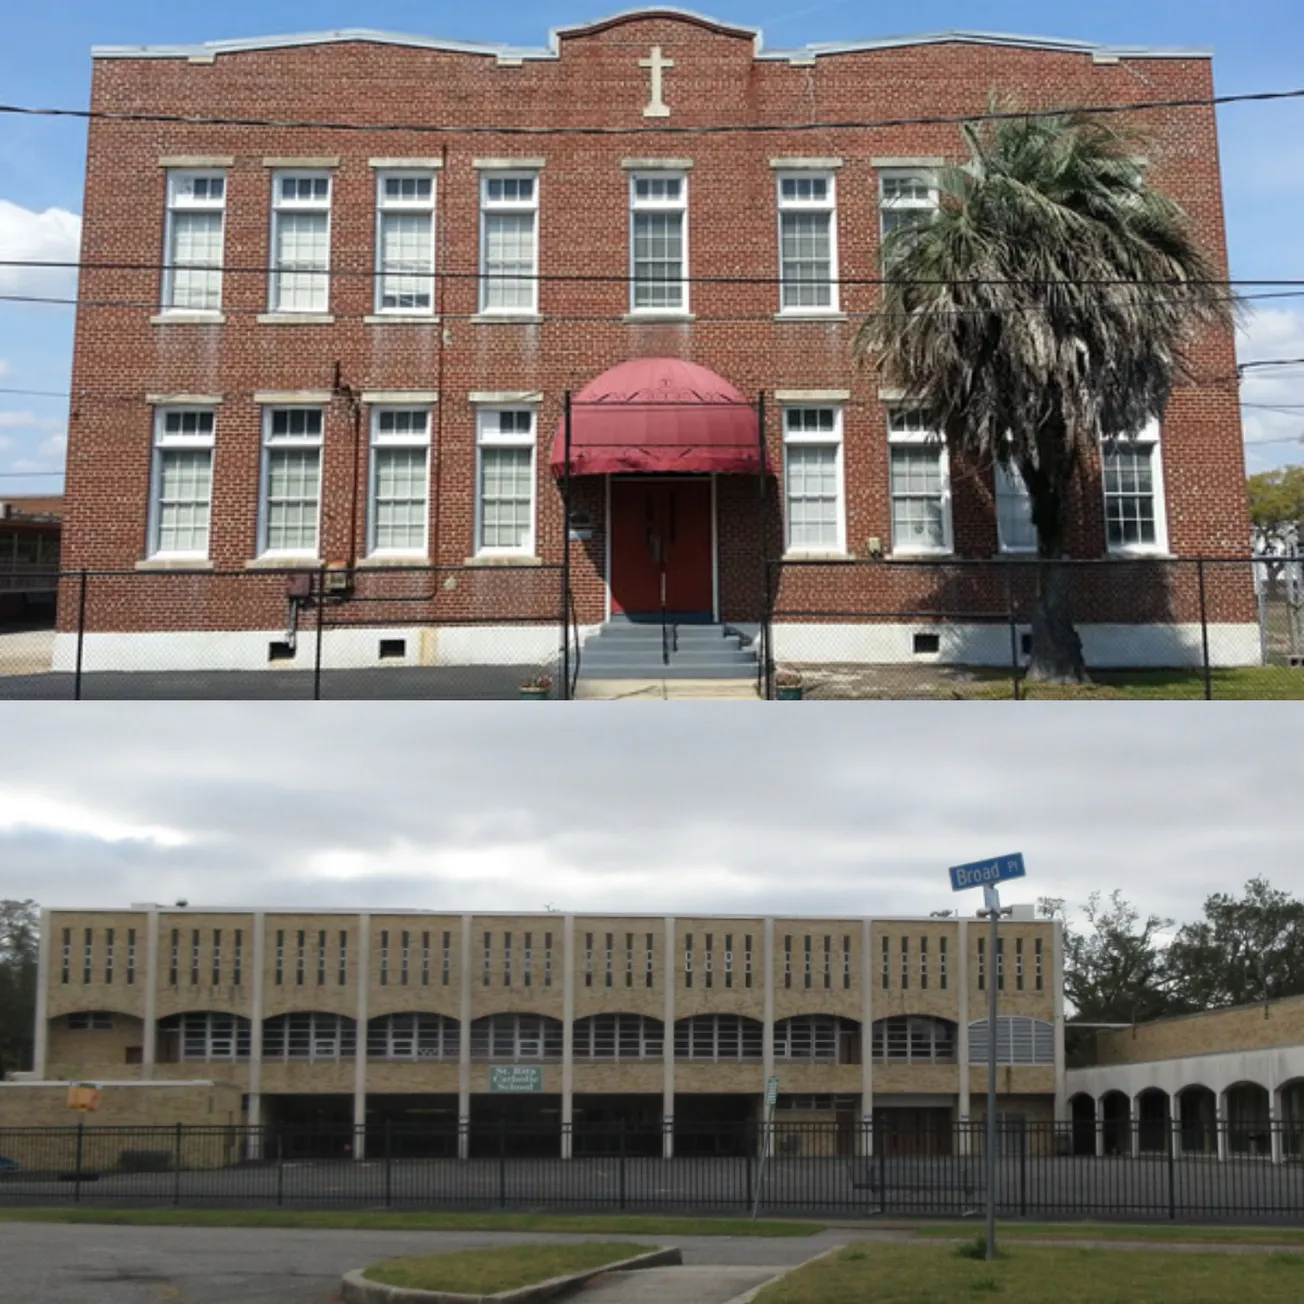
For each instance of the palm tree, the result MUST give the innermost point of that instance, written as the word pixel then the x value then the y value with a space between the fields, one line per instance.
pixel 1045 307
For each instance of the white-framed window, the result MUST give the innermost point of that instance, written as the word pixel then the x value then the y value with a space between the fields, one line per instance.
pixel 504 500
pixel 807 1037
pixel 812 477
pixel 907 200
pixel 301 241
pixel 718 1037
pixel 516 1037
pixel 405 242
pixel 509 242
pixel 208 1035
pixel 310 1035
pixel 181 487
pixel 915 1039
pixel 413 1036
pixel 1015 531
pixel 619 1037
pixel 920 484
pixel 291 495
pixel 91 1021
pixel 658 269
pixel 400 481
pixel 1132 477
pixel 808 258
pixel 192 275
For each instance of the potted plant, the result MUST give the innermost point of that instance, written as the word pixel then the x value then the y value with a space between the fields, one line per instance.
pixel 538 688
pixel 788 685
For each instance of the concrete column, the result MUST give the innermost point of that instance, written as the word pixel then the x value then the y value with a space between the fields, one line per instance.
pixel 1134 1124
pixel 961 978
pixel 1220 1124
pixel 767 1032
pixel 866 1037
pixel 1274 1123
pixel 1098 1102
pixel 41 1032
pixel 1057 977
pixel 567 1035
pixel 670 974
pixel 148 1052
pixel 360 1049
pixel 464 1045
pixel 255 965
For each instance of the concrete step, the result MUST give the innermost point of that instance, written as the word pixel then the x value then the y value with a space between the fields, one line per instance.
pixel 686 669
pixel 606 654
pixel 694 635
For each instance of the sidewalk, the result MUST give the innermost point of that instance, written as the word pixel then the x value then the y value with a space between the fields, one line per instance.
pixel 715 1284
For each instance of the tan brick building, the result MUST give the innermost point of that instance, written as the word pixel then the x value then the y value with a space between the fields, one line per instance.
pixel 556 1021
pixel 357 355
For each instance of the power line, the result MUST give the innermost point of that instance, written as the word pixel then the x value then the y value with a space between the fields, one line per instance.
pixel 602 278
pixel 25 475
pixel 750 128
pixel 37 393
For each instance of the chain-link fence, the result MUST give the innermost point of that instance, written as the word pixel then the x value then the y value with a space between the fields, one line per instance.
pixel 1157 1170
pixel 824 629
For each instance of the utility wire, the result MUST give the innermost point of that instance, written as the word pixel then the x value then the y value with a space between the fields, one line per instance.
pixel 601 278
pixel 750 128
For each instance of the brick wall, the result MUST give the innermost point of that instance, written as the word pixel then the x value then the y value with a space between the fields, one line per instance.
pixel 120 357
pixel 1245 1028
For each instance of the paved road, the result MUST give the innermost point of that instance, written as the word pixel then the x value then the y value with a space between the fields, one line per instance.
pixel 49 1263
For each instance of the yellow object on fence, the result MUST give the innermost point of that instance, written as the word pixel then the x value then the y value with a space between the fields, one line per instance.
pixel 83 1096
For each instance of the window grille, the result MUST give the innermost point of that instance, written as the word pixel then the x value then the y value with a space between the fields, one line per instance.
pixel 618 1037
pixel 718 1037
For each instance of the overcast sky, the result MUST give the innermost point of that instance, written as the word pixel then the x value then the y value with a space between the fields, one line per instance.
pixel 677 808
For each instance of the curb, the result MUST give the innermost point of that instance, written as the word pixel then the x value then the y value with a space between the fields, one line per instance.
pixel 749 1295
pixel 357 1289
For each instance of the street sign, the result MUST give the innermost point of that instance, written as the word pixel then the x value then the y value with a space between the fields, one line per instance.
pixel 985 873
pixel 771 1092
pixel 515 1078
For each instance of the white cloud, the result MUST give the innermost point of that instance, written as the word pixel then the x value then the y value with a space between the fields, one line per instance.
pixel 1274 415
pixel 50 236
pixel 35 812
pixel 6 369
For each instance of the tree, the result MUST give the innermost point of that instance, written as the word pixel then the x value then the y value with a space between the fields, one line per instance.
pixel 1244 949
pixel 1046 307
pixel 1277 509
pixel 1114 970
pixel 19 931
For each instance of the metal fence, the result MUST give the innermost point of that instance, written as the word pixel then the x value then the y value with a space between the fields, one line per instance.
pixel 1043 1170
pixel 1162 628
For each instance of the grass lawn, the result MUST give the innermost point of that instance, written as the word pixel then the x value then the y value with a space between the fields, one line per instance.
pixel 936 1274
pixel 1245 684
pixel 361 1220
pixel 486 1272
pixel 1164 1233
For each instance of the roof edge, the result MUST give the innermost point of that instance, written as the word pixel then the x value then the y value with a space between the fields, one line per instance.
pixel 207 50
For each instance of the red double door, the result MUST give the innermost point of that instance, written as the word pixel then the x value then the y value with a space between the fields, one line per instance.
pixel 661 547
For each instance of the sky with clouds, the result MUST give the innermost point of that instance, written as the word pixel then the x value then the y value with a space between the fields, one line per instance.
pixel 689 807
pixel 44 59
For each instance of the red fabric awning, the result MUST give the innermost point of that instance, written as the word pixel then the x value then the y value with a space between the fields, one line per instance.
pixel 658 414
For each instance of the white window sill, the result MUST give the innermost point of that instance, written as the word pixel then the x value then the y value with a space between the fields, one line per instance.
pixel 1018 554
pixel 379 561
pixel 162 562
pixel 507 318
pixel 295 319
pixel 817 554
pixel 504 559
pixel 181 317
pixel 810 314
pixel 658 315
pixel 401 318
pixel 1140 554
pixel 920 554
pixel 286 561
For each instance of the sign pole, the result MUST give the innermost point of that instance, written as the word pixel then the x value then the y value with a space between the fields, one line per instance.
pixel 992 900
pixel 771 1101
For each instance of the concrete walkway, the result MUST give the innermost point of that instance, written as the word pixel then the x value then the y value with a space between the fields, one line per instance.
pixel 717 1284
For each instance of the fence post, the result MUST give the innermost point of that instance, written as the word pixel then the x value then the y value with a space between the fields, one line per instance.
pixel 176 1167
pixel 81 637
pixel 880 1145
pixel 280 1168
pixel 389 1155
pixel 1023 1171
pixel 321 621
pixel 1204 632
pixel 502 1163
pixel 1015 686
pixel 1172 1168
pixel 77 1168
pixel 622 1162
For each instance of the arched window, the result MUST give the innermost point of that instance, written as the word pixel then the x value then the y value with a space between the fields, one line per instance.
pixel 718 1037
pixel 208 1035
pixel 310 1036
pixel 619 1037
pixel 516 1037
pixel 816 1037
pixel 412 1036
pixel 1019 1040
pixel 914 1039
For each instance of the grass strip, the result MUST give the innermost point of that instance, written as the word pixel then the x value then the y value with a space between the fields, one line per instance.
pixel 365 1220
pixel 506 1267
pixel 1246 684
pixel 933 1274
pixel 1156 1233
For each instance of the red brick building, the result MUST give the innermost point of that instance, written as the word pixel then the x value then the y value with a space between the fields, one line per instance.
pixel 362 359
